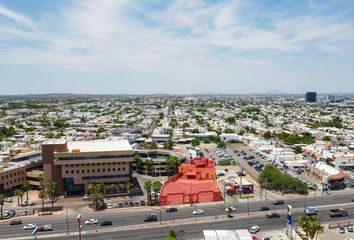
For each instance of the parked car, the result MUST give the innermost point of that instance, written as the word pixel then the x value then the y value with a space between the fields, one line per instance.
pixel 198 212
pixel 120 205
pixel 91 221
pixel 263 209
pixel 24 212
pixel 109 205
pixel 254 229
pixel 341 230
pixel 8 200
pixel 114 205
pixel 106 223
pixel 350 228
pixel 278 202
pixel 29 226
pixel 16 222
pixel 171 209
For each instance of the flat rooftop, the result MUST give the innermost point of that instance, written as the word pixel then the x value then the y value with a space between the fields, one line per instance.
pixel 100 146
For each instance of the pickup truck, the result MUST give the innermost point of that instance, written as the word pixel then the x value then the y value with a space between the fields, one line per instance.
pixel 45 227
pixel 338 212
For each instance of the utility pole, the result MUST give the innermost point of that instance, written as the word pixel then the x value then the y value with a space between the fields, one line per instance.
pixel 240 188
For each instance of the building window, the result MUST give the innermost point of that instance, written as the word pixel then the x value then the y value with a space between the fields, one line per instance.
pixel 88 170
pixel 98 164
pixel 98 170
pixel 14 174
pixel 108 169
pixel 67 171
pixel 10 182
pixel 124 169
pixel 114 169
pixel 103 164
pixel 118 169
pixel 103 170
pixel 72 171
pixel 10 175
pixel 23 178
pixel 83 171
pixel 77 171
pixel 93 170
pixel 87 164
pixel 93 164
pixel 2 177
pixel 6 176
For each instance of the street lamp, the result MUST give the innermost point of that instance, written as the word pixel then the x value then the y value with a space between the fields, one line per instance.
pixel 80 226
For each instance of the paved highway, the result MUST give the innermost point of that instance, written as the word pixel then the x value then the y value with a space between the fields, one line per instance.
pixel 132 217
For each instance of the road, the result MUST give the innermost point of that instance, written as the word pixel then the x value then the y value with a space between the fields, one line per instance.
pixel 133 217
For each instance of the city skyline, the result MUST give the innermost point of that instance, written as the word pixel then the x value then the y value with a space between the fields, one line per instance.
pixel 180 47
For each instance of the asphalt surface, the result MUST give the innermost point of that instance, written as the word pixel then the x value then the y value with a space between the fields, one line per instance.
pixel 135 216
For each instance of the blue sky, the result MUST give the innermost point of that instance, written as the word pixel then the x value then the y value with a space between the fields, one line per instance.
pixel 187 46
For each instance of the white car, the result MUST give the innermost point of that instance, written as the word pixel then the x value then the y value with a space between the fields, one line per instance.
pixel 114 205
pixel 233 209
pixel 109 205
pixel 91 221
pixel 29 226
pixel 198 212
pixel 254 229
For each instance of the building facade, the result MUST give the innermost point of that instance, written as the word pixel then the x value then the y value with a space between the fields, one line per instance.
pixel 311 97
pixel 74 165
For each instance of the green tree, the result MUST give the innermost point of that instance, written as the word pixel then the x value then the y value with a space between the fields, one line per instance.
pixel 297 149
pixel 168 144
pixel 19 194
pixel 267 135
pixel 2 202
pixel 148 187
pixel 156 187
pixel 229 130
pixel 231 120
pixel 51 188
pixel 228 212
pixel 326 138
pixel 311 226
pixel 138 162
pixel 149 163
pixel 26 186
pixel 42 194
pixel 171 235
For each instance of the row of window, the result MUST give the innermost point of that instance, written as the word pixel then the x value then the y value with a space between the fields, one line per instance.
pixel 19 180
pixel 94 157
pixel 94 170
pixel 12 174
pixel 95 164
pixel 104 177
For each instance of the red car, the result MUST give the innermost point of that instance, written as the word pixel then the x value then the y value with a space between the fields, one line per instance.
pixel 352 199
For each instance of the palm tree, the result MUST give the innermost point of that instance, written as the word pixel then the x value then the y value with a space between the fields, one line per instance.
pixel 130 186
pixel 149 163
pixel 42 194
pixel 51 187
pixel 171 235
pixel 120 187
pixel 138 162
pixel 147 187
pixel 156 187
pixel 96 198
pixel 2 202
pixel 18 193
pixel 311 226
pixel 26 186
pixel 41 180
pixel 228 212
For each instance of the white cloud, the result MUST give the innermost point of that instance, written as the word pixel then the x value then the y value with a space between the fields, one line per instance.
pixel 18 18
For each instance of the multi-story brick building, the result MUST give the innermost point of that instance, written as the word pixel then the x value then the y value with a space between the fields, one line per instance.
pixel 73 165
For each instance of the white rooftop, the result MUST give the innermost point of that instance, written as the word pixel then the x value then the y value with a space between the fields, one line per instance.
pixel 100 145
pixel 227 235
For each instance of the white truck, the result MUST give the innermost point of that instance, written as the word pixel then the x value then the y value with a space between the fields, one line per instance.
pixel 311 211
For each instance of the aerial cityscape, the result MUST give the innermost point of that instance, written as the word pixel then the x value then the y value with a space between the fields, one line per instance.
pixel 171 120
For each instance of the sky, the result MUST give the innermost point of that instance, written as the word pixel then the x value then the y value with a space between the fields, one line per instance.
pixel 176 47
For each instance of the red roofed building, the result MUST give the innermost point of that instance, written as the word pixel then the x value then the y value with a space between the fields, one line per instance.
pixel 195 182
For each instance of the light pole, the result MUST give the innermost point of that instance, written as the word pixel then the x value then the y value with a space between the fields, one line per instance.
pixel 248 206
pixel 79 222
pixel 160 214
pixel 67 221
